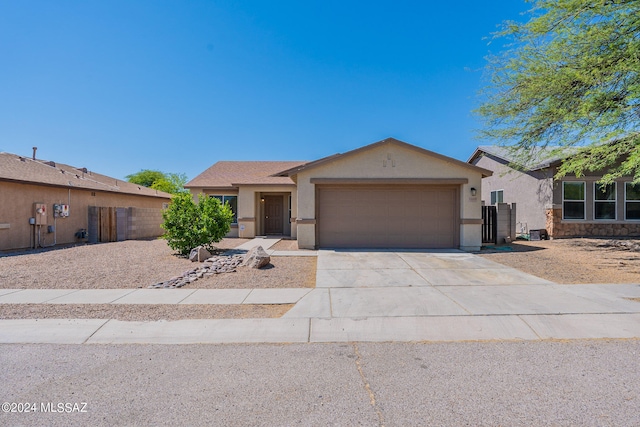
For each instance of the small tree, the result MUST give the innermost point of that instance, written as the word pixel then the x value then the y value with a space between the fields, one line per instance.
pixel 146 177
pixel 188 224
pixel 167 182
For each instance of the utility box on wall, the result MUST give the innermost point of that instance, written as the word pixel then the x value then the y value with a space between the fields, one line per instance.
pixel 40 213
pixel 60 211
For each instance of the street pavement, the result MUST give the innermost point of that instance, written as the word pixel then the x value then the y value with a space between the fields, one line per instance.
pixel 526 383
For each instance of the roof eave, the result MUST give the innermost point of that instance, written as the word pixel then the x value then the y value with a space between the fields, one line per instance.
pixel 263 184
pixel 77 187
pixel 295 170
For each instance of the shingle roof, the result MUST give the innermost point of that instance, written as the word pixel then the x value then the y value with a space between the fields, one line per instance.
pixel 538 158
pixel 231 174
pixel 24 169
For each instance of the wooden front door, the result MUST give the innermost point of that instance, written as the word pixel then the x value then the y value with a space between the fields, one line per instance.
pixel 273 220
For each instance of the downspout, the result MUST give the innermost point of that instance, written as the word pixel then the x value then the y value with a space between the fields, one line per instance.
pixel 55 231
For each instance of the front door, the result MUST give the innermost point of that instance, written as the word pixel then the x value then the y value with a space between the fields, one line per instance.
pixel 273 221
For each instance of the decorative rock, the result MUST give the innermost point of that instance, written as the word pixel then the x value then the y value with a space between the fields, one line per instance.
pixel 199 254
pixel 214 265
pixel 256 258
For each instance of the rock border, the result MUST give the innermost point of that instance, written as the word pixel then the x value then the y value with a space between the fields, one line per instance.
pixel 214 265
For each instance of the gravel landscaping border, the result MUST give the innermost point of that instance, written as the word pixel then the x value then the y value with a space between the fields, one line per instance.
pixel 142 312
pixel 138 264
pixel 573 261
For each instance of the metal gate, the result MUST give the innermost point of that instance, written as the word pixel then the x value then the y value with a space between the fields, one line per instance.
pixel 489 224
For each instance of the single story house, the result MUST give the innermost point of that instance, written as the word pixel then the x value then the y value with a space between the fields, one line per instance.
pixel 569 207
pixel 44 203
pixel 388 194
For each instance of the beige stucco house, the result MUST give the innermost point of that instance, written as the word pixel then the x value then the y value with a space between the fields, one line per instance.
pixel 45 203
pixel 388 194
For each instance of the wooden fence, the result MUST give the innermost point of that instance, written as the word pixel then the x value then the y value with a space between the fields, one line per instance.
pixel 489 224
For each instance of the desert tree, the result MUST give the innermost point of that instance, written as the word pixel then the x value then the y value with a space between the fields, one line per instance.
pixel 568 76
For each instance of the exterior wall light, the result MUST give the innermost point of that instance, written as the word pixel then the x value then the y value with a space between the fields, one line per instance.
pixel 473 191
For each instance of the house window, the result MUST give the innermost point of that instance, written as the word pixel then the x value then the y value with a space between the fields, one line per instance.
pixel 233 204
pixel 604 201
pixel 573 200
pixel 631 201
pixel 497 197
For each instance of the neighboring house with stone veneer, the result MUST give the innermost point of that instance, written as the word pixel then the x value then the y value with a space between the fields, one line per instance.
pixel 569 207
pixel 388 194
pixel 43 203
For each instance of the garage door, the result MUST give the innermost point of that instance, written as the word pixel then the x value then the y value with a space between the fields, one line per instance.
pixel 388 216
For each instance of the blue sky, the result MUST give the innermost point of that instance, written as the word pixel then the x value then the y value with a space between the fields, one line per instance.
pixel 120 86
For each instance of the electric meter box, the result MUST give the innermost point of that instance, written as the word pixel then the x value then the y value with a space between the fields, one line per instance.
pixel 60 211
pixel 40 213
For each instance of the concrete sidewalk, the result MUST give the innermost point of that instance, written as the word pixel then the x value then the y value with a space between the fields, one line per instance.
pixel 360 296
pixel 332 315
pixel 267 243
pixel 286 330
pixel 153 296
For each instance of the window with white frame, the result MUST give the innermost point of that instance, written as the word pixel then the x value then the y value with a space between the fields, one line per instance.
pixel 233 204
pixel 631 201
pixel 497 196
pixel 604 201
pixel 573 200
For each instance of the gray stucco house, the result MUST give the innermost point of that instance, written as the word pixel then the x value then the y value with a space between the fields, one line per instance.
pixel 570 207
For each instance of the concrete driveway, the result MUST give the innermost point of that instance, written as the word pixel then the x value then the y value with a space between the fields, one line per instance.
pixel 366 269
pixel 454 295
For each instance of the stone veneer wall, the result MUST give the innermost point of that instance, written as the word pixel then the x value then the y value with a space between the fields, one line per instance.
pixel 144 223
pixel 557 228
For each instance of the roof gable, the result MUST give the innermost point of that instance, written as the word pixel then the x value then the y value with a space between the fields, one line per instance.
pixel 540 158
pixel 388 141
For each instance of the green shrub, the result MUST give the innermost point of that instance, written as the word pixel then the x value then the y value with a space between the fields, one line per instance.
pixel 188 224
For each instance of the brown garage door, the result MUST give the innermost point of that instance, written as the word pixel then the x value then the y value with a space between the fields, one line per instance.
pixel 388 216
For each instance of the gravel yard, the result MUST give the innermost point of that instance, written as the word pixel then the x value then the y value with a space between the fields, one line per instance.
pixel 141 312
pixel 574 261
pixel 138 264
